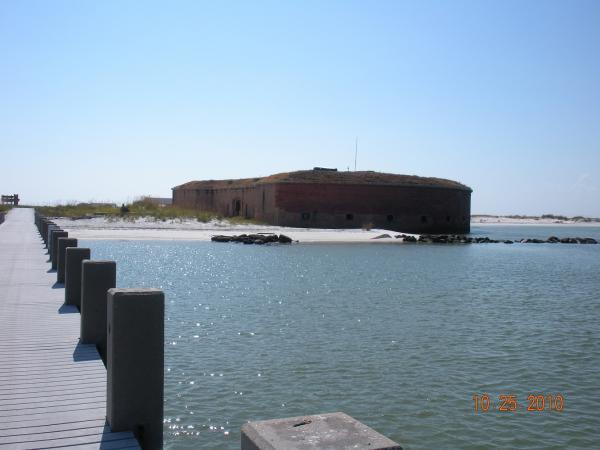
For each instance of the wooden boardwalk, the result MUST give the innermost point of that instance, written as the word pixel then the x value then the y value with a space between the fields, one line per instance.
pixel 52 389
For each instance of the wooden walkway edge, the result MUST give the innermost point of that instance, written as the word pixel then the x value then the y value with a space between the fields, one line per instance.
pixel 52 388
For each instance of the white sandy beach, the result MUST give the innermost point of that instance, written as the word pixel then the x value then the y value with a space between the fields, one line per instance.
pixel 192 230
pixel 502 220
pixel 187 229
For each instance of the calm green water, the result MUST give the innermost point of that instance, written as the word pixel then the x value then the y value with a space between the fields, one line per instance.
pixel 399 336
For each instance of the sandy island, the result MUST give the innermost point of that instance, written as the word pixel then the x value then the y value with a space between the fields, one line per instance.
pixel 503 220
pixel 192 230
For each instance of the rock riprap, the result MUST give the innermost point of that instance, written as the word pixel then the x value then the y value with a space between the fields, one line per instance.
pixel 462 239
pixel 258 239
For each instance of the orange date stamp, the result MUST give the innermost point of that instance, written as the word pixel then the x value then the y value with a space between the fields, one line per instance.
pixel 484 403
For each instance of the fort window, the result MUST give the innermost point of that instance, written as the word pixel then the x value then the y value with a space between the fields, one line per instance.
pixel 305 216
pixel 390 218
pixel 237 206
pixel 447 218
pixel 349 216
pixel 423 219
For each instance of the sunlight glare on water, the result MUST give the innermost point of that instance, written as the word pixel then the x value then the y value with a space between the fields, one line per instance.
pixel 400 337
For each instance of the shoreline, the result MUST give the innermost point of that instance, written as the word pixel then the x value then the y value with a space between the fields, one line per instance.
pixel 191 230
pixel 100 228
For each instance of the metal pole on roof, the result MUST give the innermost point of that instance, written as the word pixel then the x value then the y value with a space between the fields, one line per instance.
pixel 355 152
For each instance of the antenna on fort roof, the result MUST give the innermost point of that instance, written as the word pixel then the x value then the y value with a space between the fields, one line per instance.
pixel 355 152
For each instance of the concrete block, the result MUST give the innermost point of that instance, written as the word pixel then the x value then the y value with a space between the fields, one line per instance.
pixel 51 229
pixel 44 230
pixel 54 250
pixel 73 259
pixel 334 431
pixel 97 277
pixel 63 243
pixel 135 363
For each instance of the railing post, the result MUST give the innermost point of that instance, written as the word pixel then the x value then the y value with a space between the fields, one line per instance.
pixel 54 250
pixel 46 234
pixel 74 256
pixel 63 243
pixel 135 363
pixel 44 231
pixel 97 277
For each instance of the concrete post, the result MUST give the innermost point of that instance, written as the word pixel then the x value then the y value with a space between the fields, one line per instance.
pixel 97 277
pixel 45 226
pixel 44 230
pixel 51 229
pixel 73 259
pixel 135 363
pixel 54 250
pixel 63 243
pixel 335 430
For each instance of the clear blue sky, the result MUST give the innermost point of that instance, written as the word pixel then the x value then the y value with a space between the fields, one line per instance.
pixel 110 100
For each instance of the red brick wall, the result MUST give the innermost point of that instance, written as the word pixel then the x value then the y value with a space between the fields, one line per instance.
pixel 410 209
pixel 400 208
pixel 254 202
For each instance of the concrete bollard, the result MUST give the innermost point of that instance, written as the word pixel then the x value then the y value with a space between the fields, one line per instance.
pixel 135 363
pixel 54 250
pixel 334 430
pixel 63 243
pixel 51 230
pixel 46 232
pixel 73 259
pixel 97 277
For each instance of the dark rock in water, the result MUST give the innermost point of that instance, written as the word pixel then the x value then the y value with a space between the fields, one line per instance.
pixel 221 238
pixel 258 239
pixel 508 241
pixel 409 239
pixel 382 236
pixel 568 241
pixel 532 241
pixel 553 240
pixel 283 239
pixel 586 240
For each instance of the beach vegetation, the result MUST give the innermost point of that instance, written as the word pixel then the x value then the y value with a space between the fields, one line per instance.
pixel 143 207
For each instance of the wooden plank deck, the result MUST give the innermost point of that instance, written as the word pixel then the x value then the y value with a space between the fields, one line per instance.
pixel 52 388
